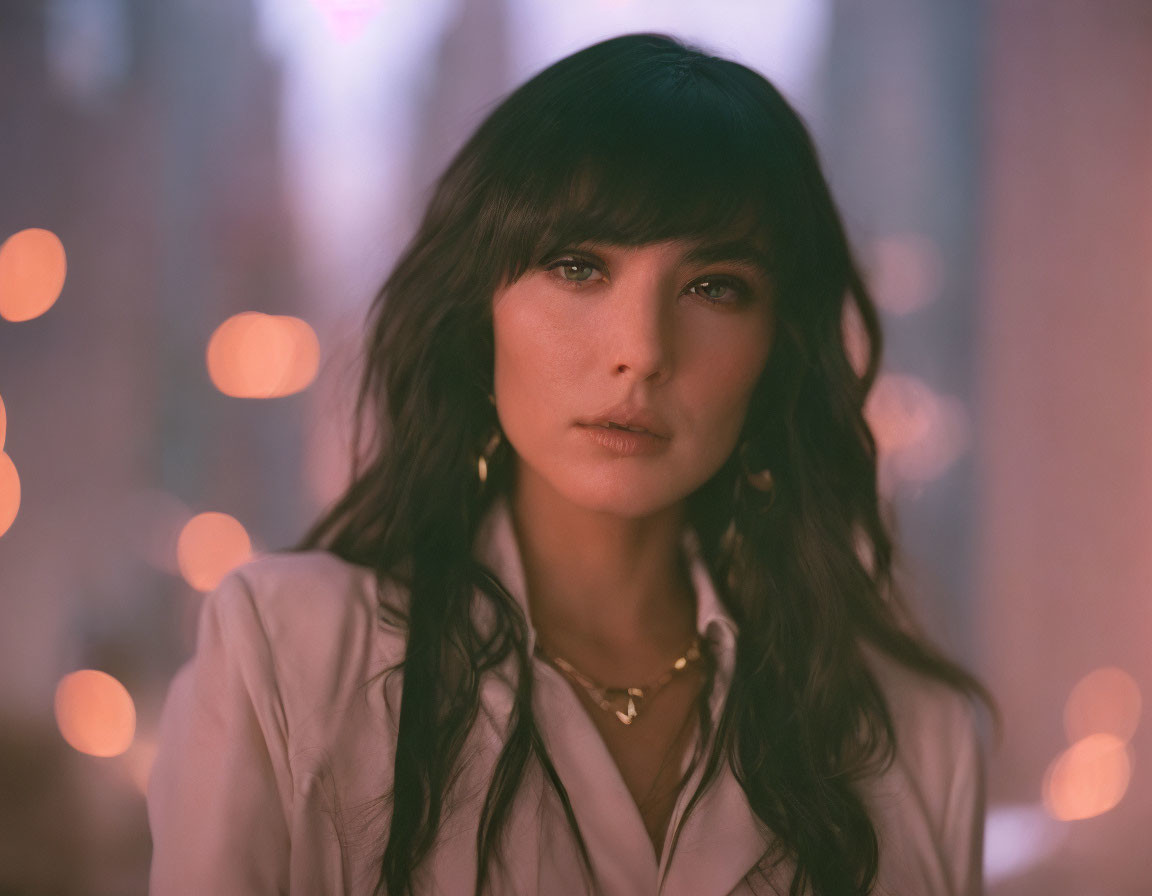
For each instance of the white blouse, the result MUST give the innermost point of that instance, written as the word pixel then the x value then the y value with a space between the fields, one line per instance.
pixel 277 742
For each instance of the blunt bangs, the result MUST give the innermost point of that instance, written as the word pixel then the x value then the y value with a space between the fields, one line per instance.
pixel 635 157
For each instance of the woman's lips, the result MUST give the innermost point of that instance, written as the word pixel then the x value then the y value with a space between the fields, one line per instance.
pixel 624 442
pixel 629 415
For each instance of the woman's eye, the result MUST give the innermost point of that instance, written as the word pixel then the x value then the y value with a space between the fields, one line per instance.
pixel 572 270
pixel 720 290
pixel 713 290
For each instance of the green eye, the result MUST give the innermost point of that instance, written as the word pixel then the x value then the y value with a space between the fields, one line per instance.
pixel 571 268
pixel 719 290
pixel 735 289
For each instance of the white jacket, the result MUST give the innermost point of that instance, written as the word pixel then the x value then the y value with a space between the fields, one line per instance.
pixel 276 744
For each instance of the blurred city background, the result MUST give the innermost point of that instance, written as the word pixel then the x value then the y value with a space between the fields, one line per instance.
pixel 198 199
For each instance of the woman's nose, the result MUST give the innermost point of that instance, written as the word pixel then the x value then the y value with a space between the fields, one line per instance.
pixel 642 338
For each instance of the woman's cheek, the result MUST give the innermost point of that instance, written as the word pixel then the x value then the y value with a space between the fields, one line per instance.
pixel 533 378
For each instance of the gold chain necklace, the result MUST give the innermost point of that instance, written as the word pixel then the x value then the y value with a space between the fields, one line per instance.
pixel 622 701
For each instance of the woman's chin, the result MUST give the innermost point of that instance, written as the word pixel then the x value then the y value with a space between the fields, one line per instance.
pixel 624 488
pixel 624 496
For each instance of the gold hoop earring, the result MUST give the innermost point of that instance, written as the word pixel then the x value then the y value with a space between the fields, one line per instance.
pixel 761 480
pixel 485 458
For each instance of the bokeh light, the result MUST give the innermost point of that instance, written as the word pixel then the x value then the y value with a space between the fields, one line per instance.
pixel 3 423
pixel 906 272
pixel 33 266
pixel 1018 837
pixel 211 545
pixel 95 713
pixel 349 17
pixel 255 355
pixel 1088 778
pixel 9 492
pixel 919 433
pixel 1105 701
pixel 305 360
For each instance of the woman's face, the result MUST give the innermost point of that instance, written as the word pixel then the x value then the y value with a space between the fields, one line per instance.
pixel 650 335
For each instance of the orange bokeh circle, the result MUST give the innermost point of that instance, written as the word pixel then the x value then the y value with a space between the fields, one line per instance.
pixel 95 713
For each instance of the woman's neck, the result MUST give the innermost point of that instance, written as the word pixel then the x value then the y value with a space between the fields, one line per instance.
pixel 609 589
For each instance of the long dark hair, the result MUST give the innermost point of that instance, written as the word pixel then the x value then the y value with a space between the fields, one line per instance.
pixel 637 139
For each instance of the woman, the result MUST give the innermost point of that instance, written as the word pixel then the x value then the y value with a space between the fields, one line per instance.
pixel 608 605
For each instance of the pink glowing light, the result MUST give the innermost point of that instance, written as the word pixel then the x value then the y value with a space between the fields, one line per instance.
pixel 348 18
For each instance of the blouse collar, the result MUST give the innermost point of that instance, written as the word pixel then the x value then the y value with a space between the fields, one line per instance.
pixel 497 546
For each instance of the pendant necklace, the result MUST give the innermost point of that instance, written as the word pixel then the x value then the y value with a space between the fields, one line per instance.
pixel 624 702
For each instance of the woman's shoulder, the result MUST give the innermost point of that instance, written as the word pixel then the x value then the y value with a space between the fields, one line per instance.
pixel 925 710
pixel 929 802
pixel 273 699
pixel 936 725
pixel 287 585
pixel 315 616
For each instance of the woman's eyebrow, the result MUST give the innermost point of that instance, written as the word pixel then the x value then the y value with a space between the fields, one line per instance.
pixel 733 251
